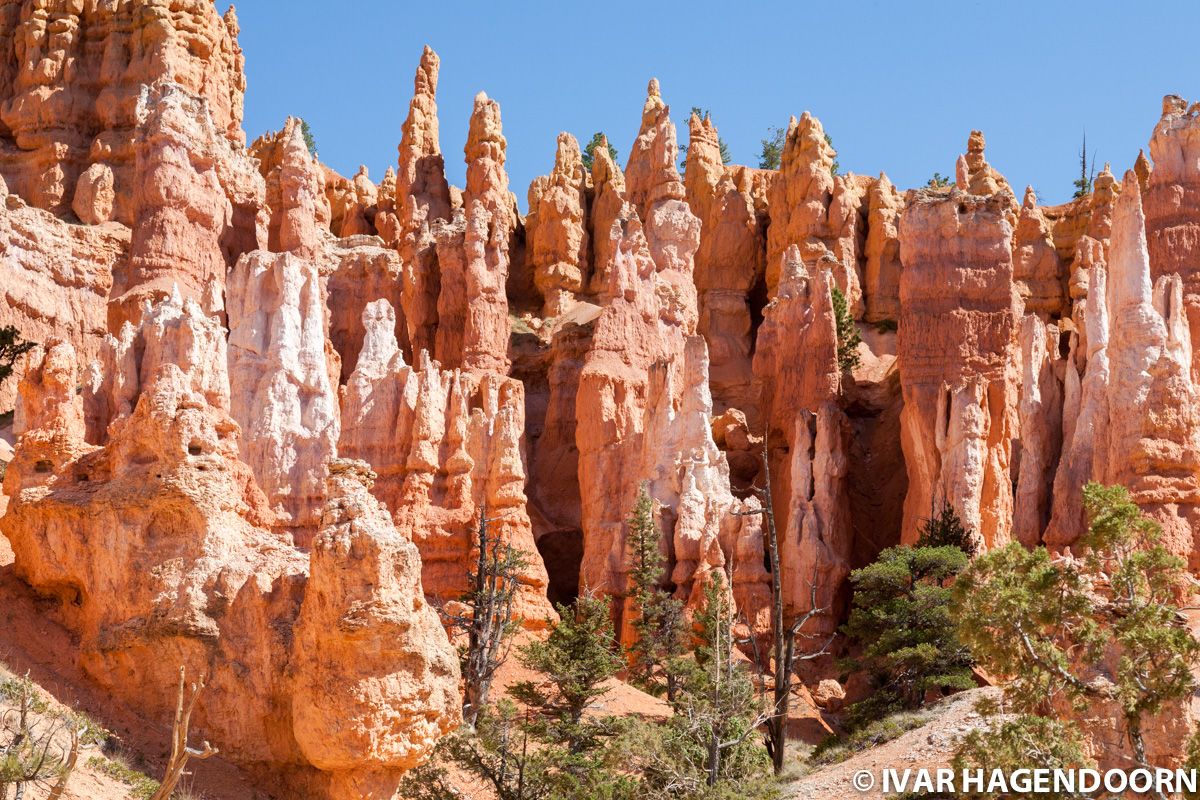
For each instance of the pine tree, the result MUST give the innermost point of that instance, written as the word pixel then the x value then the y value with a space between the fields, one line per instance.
pixel 945 529
pixel 1053 624
pixel 555 749
pixel 1087 172
pixel 1019 741
pixel 659 622
pixel 489 623
pixel 848 337
pixel 836 166
pixel 589 151
pixel 578 656
pixel 12 347
pixel 717 705
pixel 771 155
pixel 902 618
pixel 37 746
pixel 939 181
pixel 309 141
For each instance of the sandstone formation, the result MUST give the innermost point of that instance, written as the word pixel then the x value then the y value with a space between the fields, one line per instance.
pixel 71 74
pixel 285 401
pixel 445 443
pixel 271 401
pixel 881 272
pixel 1037 271
pixel 956 345
pixel 189 195
pixel 1172 202
pixel 56 279
pixel 556 229
pixel 473 253
pixel 729 263
pixel 422 198
pixel 816 209
pixel 1040 414
pixel 157 547
pixel 376 682
pixel 1153 452
pixel 797 369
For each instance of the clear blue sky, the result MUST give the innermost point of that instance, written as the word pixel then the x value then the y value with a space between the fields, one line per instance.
pixel 898 85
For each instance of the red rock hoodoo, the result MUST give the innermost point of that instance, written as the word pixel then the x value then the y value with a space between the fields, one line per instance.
pixel 271 401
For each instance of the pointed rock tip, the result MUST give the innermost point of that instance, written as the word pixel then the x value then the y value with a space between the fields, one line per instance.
pixel 652 89
pixel 1130 182
pixel 1173 104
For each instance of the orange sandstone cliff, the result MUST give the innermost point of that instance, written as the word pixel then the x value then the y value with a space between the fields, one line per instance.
pixel 270 401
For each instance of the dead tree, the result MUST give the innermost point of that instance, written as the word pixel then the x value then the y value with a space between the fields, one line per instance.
pixel 181 752
pixel 783 637
pixel 74 732
pixel 489 621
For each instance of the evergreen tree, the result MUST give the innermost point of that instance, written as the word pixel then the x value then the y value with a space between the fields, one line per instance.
pixel 489 623
pixel 12 347
pixel 939 181
pixel 945 529
pixel 902 618
pixel 848 337
pixel 1054 624
pixel 659 622
pixel 553 750
pixel 717 709
pixel 836 166
pixel 578 657
pixel 1020 741
pixel 589 150
pixel 309 141
pixel 1087 172
pixel 771 155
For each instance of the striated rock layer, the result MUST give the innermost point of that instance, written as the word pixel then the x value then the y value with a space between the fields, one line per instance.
pixel 272 401
pixel 445 444
pixel 956 352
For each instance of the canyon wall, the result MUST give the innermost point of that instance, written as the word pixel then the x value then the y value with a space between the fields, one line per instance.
pixel 271 402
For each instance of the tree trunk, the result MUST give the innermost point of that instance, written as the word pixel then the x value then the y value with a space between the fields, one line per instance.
pixel 714 759
pixel 777 724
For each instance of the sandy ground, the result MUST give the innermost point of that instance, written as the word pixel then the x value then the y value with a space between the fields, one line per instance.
pixel 930 746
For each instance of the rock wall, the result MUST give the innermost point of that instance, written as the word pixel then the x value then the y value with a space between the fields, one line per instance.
pixel 730 263
pixel 1172 203
pixel 56 279
pixel 159 549
pixel 272 400
pixel 445 444
pixel 70 77
pixel 808 439
pixel 285 400
pixel 956 341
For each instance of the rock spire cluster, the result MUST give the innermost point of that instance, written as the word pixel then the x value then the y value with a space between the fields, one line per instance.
pixel 269 401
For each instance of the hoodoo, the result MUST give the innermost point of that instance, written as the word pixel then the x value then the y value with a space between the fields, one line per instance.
pixel 270 406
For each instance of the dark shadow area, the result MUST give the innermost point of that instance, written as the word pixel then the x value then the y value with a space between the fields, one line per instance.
pixel 562 553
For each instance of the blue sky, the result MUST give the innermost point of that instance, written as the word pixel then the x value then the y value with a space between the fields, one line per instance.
pixel 897 85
